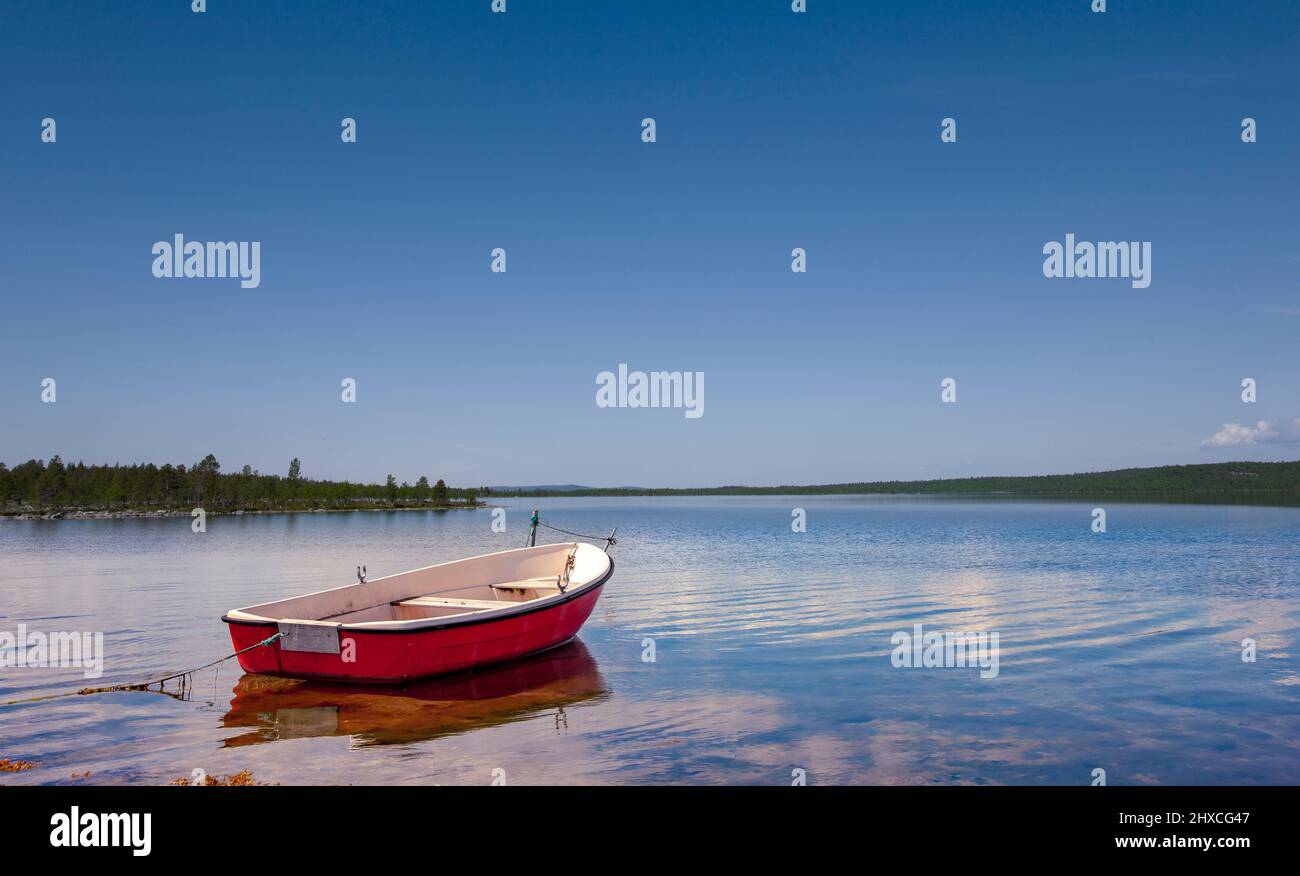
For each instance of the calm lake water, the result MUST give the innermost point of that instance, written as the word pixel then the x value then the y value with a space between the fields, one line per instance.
pixel 1120 651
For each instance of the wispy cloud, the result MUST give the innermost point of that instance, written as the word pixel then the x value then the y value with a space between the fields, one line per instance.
pixel 1263 432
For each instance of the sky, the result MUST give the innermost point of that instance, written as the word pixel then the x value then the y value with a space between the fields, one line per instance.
pixel 774 130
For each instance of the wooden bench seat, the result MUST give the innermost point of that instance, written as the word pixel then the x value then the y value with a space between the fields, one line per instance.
pixel 547 583
pixel 545 587
pixel 443 602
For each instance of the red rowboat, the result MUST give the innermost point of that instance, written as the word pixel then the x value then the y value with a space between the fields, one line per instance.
pixel 432 621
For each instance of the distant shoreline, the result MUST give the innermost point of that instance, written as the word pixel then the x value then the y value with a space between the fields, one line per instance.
pixel 36 490
pixel 1258 498
pixel 1255 499
pixel 161 513
pixel 1262 483
pixel 1235 483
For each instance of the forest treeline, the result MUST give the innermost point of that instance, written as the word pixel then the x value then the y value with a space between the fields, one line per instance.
pixel 1249 481
pixel 36 486
pixel 54 486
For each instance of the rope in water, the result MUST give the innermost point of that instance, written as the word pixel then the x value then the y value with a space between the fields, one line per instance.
pixel 144 685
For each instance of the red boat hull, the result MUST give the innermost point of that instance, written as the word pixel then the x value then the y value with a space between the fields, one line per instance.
pixel 400 656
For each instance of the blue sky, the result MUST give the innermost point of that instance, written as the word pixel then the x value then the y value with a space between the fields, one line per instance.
pixel 775 131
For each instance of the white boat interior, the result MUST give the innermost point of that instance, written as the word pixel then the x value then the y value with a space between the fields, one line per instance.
pixel 497 582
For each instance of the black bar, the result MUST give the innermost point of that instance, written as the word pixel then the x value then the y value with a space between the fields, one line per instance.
pixel 975 824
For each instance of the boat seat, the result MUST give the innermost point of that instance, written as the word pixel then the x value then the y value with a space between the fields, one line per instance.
pixel 547 583
pixel 443 602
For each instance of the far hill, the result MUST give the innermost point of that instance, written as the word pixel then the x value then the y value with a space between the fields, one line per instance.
pixel 1248 482
pixel 540 489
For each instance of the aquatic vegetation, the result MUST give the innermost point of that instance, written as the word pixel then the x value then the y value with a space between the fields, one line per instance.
pixel 241 779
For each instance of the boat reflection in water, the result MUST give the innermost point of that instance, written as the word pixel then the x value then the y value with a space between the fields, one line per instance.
pixel 285 708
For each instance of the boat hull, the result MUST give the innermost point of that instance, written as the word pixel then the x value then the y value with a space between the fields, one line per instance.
pixel 399 656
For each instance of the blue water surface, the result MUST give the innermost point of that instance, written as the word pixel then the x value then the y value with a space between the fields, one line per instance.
pixel 727 648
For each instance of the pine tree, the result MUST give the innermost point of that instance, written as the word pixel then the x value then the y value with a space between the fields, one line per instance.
pixel 53 483
pixel 295 478
pixel 204 479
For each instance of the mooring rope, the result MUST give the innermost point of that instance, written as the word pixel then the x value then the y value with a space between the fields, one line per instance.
pixel 144 685
pixel 608 539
